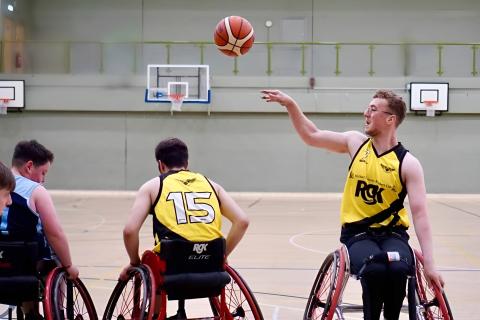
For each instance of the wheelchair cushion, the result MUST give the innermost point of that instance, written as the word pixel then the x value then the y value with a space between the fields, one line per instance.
pixel 195 285
pixel 193 269
pixel 18 258
pixel 183 256
pixel 17 289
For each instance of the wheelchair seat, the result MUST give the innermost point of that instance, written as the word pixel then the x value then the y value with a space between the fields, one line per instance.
pixel 19 280
pixel 183 270
pixel 193 269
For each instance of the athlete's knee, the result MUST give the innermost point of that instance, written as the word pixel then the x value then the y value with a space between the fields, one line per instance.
pixel 400 269
pixel 374 270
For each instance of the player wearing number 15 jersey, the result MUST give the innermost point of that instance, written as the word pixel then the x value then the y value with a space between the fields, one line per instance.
pixel 187 207
pixel 184 205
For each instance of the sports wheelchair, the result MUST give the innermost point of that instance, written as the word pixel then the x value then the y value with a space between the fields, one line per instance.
pixel 425 301
pixel 183 270
pixel 22 281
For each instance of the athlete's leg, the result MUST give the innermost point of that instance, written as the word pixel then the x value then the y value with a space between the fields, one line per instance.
pixel 373 276
pixel 396 276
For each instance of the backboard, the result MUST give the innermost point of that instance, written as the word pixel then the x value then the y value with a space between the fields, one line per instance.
pixel 14 92
pixel 426 95
pixel 192 82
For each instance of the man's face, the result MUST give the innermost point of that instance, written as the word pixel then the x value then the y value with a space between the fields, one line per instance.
pixel 377 116
pixel 5 199
pixel 38 173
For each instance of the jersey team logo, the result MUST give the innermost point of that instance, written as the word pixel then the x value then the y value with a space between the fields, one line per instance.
pixel 386 168
pixel 365 156
pixel 370 193
pixel 200 247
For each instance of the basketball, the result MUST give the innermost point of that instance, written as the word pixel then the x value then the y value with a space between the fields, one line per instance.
pixel 234 36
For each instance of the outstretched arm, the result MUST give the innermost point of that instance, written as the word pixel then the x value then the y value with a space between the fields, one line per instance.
pixel 232 211
pixel 414 180
pixel 42 203
pixel 342 142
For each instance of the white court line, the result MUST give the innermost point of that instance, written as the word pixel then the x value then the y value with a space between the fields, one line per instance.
pixel 293 243
pixel 276 311
pixel 97 225
pixel 281 307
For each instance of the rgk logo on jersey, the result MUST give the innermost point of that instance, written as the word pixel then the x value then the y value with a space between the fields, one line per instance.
pixel 200 247
pixel 370 193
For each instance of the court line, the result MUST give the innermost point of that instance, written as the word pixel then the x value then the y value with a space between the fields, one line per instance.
pixel 281 307
pixel 459 209
pixel 293 243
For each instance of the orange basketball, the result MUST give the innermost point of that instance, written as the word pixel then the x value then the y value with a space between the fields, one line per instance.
pixel 234 36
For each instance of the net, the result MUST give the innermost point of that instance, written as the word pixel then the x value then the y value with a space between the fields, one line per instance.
pixel 4 106
pixel 430 107
pixel 177 100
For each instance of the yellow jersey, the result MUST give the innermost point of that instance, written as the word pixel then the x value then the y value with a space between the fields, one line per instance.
pixel 186 207
pixel 374 185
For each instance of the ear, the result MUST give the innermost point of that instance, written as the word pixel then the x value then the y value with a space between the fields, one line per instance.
pixel 162 167
pixel 29 165
pixel 159 164
pixel 391 120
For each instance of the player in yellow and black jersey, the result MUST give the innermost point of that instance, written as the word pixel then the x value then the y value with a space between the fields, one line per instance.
pixel 184 205
pixel 374 221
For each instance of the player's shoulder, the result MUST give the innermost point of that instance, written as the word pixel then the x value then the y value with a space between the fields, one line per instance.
pixel 411 164
pixel 355 140
pixel 40 192
pixel 151 185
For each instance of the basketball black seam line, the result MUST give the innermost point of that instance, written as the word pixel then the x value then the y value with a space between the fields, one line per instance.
pixel 239 33
pixel 226 40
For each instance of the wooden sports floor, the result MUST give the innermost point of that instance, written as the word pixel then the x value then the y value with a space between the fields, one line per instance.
pixel 289 236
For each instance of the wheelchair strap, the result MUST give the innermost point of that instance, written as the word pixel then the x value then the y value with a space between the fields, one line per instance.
pixel 382 257
pixel 393 209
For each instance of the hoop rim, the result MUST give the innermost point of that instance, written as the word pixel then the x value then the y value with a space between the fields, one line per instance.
pixel 176 97
pixel 430 103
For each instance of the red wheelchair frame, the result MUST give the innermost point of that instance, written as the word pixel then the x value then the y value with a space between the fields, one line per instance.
pixel 136 298
pixel 325 299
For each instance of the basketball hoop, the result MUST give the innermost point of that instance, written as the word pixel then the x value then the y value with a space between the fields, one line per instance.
pixel 4 105
pixel 177 100
pixel 430 107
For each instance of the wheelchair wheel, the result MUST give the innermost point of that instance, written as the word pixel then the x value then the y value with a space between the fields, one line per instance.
pixel 324 296
pixel 67 299
pixel 433 303
pixel 239 299
pixel 133 298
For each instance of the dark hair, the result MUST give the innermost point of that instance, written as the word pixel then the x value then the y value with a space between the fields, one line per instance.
pixel 395 103
pixel 7 180
pixel 172 152
pixel 31 151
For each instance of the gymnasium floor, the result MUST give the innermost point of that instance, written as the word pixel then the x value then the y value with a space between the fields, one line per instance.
pixel 289 236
